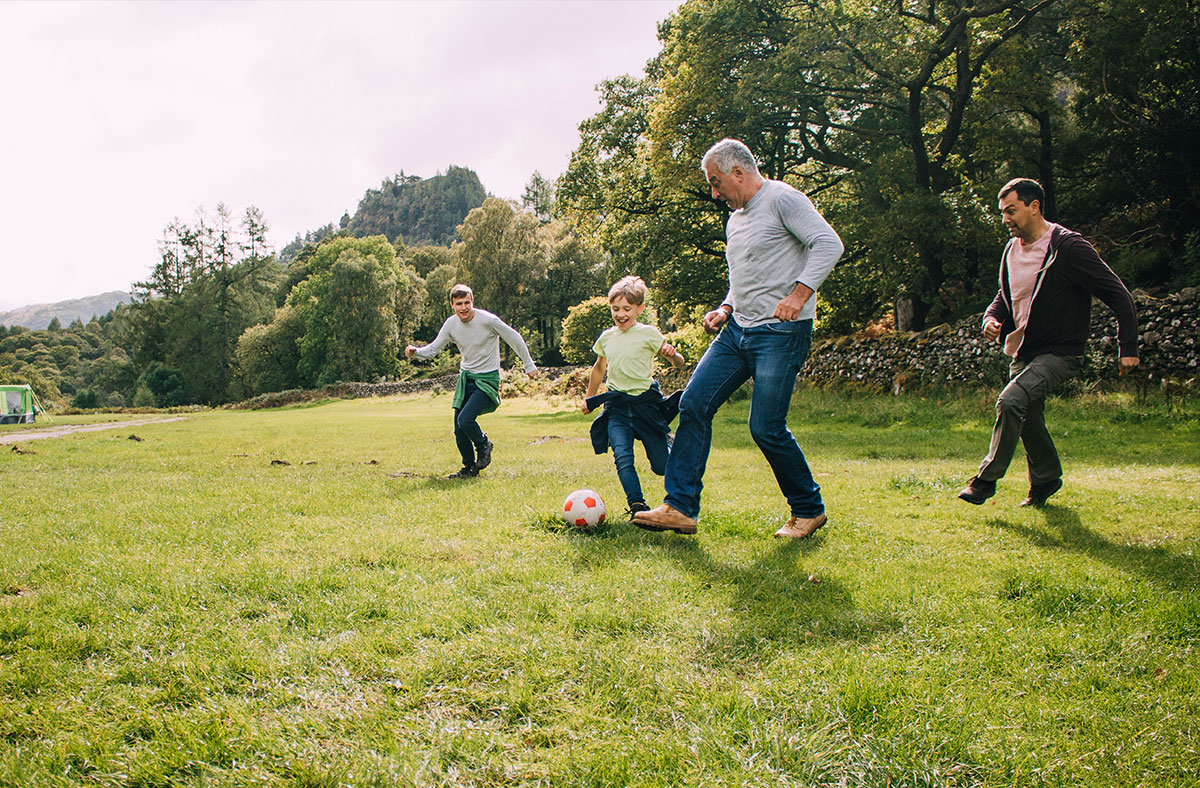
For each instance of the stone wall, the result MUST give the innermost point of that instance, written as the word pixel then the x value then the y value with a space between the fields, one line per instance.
pixel 957 354
pixel 566 379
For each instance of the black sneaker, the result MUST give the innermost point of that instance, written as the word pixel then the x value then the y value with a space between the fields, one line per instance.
pixel 635 507
pixel 977 491
pixel 483 455
pixel 1039 493
pixel 465 472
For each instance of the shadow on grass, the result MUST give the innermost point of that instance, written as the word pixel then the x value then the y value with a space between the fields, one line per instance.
pixel 774 604
pixel 1065 531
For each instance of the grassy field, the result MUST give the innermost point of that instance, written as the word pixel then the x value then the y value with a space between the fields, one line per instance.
pixel 190 610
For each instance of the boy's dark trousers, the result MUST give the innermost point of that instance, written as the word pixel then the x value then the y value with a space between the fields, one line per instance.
pixel 467 433
pixel 620 440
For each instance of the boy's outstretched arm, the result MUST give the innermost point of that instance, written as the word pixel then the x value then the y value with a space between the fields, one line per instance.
pixel 594 381
pixel 430 350
pixel 669 351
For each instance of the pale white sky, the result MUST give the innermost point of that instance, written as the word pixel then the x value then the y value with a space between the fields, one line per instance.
pixel 120 116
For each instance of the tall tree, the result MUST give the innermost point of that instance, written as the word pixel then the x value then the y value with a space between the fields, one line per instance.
pixel 502 255
pixel 539 197
pixel 352 307
pixel 868 110
pixel 214 279
pixel 350 320
pixel 660 228
pixel 575 270
pixel 1135 179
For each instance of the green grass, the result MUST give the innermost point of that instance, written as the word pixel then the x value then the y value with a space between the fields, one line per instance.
pixel 181 611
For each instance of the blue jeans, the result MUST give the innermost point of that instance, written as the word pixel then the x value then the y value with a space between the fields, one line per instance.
pixel 620 440
pixel 467 433
pixel 772 356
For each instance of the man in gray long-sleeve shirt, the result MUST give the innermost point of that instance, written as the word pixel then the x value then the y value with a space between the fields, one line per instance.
pixel 779 251
pixel 477 333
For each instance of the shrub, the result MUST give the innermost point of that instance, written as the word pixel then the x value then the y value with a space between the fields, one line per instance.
pixel 86 400
pixel 165 384
pixel 584 322
pixel 689 338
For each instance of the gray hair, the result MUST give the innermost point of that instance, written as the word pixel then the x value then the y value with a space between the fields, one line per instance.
pixel 729 153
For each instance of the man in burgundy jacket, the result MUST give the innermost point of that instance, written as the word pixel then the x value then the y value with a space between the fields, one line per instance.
pixel 1041 316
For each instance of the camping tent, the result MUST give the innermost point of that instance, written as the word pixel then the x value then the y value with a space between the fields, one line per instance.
pixel 17 404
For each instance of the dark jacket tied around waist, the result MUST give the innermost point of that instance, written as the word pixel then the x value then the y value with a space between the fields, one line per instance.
pixel 651 414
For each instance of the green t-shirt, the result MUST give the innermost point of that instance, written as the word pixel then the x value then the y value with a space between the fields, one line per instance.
pixel 630 356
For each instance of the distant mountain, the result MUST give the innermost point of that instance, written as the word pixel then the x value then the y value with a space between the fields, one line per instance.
pixel 38 316
pixel 417 210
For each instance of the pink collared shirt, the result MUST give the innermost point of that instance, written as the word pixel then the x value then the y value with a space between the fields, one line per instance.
pixel 1024 264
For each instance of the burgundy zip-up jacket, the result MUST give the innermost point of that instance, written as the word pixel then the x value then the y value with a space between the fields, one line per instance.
pixel 1061 312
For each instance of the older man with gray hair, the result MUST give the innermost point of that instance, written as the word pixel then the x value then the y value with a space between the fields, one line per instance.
pixel 779 251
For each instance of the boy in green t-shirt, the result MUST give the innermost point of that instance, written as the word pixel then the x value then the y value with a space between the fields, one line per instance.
pixel 634 407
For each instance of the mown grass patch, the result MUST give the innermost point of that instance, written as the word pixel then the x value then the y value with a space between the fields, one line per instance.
pixel 300 597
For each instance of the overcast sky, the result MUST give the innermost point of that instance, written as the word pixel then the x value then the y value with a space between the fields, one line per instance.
pixel 121 116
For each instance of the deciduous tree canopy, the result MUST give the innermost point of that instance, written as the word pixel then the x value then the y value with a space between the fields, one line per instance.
pixel 901 120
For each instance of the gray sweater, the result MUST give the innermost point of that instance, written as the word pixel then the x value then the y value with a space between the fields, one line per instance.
pixel 775 241
pixel 479 342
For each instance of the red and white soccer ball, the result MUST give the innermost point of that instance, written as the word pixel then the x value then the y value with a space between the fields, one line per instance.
pixel 584 509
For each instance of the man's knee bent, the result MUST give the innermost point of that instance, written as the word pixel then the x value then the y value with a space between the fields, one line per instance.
pixel 1012 402
pixel 769 431
pixel 695 407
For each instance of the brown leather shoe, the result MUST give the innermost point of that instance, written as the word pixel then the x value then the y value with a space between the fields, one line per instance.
pixel 977 491
pixel 801 527
pixel 665 518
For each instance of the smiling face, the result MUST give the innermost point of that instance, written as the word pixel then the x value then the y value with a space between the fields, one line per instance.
pixel 624 314
pixel 464 307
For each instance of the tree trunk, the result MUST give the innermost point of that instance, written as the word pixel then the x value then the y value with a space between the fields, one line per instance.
pixel 904 312
pixel 1046 164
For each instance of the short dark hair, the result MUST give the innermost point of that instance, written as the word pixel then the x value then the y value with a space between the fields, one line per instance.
pixel 461 291
pixel 1027 190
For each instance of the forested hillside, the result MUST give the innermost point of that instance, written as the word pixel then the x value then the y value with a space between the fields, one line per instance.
pixel 81 364
pixel 418 211
pixel 408 209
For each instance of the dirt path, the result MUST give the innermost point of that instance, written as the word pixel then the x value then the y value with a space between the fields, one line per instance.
pixel 59 432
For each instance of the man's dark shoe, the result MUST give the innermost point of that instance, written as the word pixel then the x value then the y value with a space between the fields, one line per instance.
pixel 483 455
pixel 977 491
pixel 465 472
pixel 1039 493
